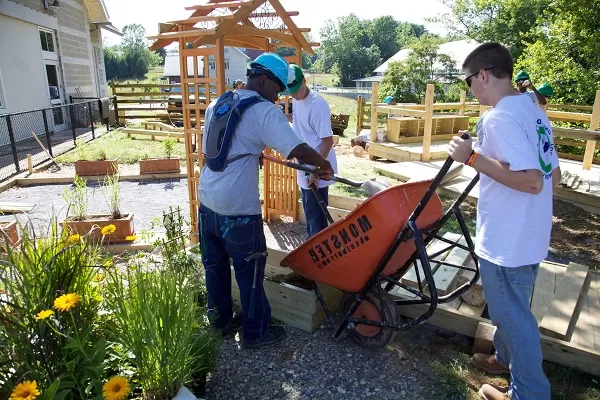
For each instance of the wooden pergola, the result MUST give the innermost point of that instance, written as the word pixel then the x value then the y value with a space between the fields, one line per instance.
pixel 255 24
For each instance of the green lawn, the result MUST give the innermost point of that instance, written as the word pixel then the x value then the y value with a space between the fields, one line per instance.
pixel 320 79
pixel 343 105
pixel 126 150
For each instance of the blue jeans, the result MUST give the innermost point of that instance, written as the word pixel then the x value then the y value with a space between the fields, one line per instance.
pixel 316 221
pixel 237 237
pixel 517 338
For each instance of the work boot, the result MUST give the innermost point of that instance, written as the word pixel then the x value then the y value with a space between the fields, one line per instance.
pixel 489 364
pixel 276 334
pixel 232 327
pixel 489 392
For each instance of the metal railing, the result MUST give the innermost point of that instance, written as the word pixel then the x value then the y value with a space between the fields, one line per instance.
pixel 48 132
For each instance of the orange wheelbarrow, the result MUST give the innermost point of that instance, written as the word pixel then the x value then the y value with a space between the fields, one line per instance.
pixel 367 252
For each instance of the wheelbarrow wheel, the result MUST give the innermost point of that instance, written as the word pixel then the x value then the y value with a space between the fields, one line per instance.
pixel 372 337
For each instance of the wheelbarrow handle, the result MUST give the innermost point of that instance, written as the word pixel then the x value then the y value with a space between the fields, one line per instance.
pixel 310 170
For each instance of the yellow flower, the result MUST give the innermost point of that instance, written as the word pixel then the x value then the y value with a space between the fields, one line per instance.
pixel 131 238
pixel 117 388
pixel 99 298
pixel 74 238
pixel 108 229
pixel 43 314
pixel 196 325
pixel 98 278
pixel 67 301
pixel 26 390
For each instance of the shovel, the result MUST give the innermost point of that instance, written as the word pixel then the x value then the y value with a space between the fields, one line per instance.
pixel 372 186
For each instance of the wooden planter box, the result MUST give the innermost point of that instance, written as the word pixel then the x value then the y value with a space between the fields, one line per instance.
pixel 159 165
pixel 290 304
pixel 95 168
pixel 97 222
pixel 10 229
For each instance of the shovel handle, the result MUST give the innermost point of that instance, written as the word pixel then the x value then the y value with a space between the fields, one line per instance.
pixel 310 170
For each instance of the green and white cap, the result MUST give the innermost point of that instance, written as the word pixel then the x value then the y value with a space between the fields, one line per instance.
pixel 295 78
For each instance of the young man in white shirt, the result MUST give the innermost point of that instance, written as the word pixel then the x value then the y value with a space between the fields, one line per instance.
pixel 311 120
pixel 518 165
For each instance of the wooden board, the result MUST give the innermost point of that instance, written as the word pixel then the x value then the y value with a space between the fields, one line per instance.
pixel 445 276
pixel 407 151
pixel 13 208
pixel 543 291
pixel 587 327
pixel 410 277
pixel 559 319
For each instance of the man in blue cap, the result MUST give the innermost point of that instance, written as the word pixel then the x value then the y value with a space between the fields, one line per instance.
pixel 312 123
pixel 230 220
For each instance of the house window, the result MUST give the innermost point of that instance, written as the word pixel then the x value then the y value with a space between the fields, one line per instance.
pixel 211 64
pixel 228 81
pixel 226 50
pixel 47 41
pixel 226 64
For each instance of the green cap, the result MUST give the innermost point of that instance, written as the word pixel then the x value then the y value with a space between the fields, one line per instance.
pixel 545 90
pixel 298 78
pixel 522 75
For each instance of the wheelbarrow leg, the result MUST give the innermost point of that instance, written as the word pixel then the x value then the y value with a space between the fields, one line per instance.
pixel 324 305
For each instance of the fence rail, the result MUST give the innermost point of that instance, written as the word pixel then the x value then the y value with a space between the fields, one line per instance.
pixel 55 128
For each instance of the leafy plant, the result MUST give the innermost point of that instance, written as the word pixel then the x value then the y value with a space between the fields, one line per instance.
pixel 81 150
pixel 77 199
pixel 169 145
pixel 49 316
pixel 145 156
pixel 101 155
pixel 113 195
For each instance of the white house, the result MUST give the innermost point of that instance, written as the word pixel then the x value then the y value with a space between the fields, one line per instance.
pixel 236 62
pixel 457 50
pixel 50 49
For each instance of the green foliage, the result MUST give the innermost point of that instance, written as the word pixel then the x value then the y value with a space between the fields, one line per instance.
pixel 407 81
pixel 169 145
pixel 64 353
pixel 113 195
pixel 77 199
pixel 132 59
pixel 352 47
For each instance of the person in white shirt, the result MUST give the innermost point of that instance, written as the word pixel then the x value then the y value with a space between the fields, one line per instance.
pixel 518 166
pixel 311 120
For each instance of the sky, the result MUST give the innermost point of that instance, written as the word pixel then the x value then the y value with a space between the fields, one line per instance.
pixel 313 13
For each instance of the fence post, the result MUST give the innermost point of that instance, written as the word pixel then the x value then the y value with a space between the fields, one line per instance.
pixel 72 115
pixel 13 145
pixel 590 145
pixel 463 100
pixel 374 99
pixel 429 97
pixel 47 132
pixel 116 103
pixel 91 105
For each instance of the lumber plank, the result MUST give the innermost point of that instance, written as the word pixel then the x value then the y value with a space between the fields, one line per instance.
pixel 445 276
pixel 345 203
pixel 558 321
pixel 484 338
pixel 594 304
pixel 11 207
pixel 410 277
pixel 543 291
pixel 587 327
pixel 336 213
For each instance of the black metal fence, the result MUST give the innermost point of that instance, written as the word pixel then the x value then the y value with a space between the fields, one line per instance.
pixel 49 132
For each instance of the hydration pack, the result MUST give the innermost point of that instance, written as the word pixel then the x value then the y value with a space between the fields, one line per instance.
pixel 221 127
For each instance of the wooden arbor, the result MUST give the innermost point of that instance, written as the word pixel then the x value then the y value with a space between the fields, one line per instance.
pixel 255 24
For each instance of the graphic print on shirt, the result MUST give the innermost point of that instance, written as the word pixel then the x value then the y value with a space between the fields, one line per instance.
pixel 479 131
pixel 545 148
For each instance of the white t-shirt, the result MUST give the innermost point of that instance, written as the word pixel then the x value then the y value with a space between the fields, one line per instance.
pixel 312 123
pixel 531 95
pixel 234 191
pixel 513 227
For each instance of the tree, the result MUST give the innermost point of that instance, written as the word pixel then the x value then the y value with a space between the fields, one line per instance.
pixel 162 53
pixel 132 59
pixel 383 34
pixel 111 62
pixel 134 37
pixel 407 81
pixel 504 21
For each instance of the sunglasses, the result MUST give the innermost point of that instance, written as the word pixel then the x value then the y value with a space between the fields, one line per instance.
pixel 468 79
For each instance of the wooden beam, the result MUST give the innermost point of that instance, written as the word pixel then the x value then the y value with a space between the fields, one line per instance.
pixel 226 25
pixel 572 133
pixel 212 6
pixel 278 45
pixel 594 124
pixel 183 34
pixel 375 94
pixel 273 14
pixel 241 30
pixel 203 18
pixel 220 66
pixel 302 30
pixel 559 320
pixel 429 97
pixel 484 338
pixel 291 25
pixel 168 27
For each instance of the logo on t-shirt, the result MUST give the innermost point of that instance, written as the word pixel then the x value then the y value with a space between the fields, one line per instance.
pixel 545 148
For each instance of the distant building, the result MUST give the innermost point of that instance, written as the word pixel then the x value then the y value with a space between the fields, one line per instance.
pixel 236 61
pixel 457 50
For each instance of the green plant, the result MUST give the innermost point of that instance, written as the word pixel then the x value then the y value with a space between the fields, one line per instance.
pixel 49 316
pixel 169 144
pixel 81 150
pixel 113 195
pixel 169 343
pixel 145 157
pixel 101 155
pixel 77 199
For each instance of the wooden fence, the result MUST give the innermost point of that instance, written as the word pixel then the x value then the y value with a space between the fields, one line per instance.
pixel 585 139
